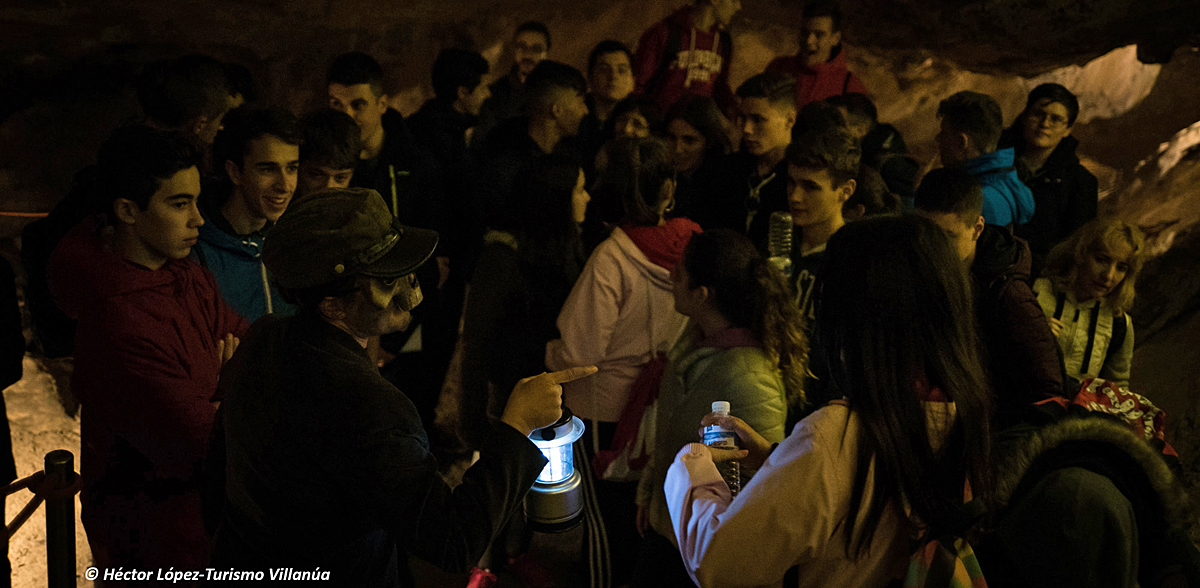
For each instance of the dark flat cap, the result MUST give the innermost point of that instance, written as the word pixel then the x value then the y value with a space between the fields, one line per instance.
pixel 341 232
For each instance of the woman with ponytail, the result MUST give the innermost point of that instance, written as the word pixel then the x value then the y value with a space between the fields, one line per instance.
pixel 745 345
pixel 618 317
pixel 843 496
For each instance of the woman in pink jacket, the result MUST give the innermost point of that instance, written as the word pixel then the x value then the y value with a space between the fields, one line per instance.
pixel 844 495
pixel 618 316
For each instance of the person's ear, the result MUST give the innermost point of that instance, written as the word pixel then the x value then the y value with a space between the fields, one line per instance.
pixel 667 192
pixel 382 102
pixel 234 172
pixel 199 125
pixel 463 94
pixel 790 118
pixel 836 37
pixel 703 294
pixel 962 142
pixel 847 190
pixel 978 228
pixel 126 211
pixel 332 309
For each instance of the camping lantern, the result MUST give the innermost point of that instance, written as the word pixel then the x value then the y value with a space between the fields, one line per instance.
pixel 555 503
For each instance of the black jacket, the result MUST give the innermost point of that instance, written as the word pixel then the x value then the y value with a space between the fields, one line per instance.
pixel 884 149
pixel 1065 195
pixel 441 130
pixel 1022 354
pixel 507 150
pixel 406 175
pixel 511 313
pixel 328 465
pixel 509 99
pixel 730 206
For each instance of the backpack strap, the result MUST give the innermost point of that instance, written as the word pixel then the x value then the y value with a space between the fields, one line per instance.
pixel 1091 340
pixel 1060 301
pixel 1120 329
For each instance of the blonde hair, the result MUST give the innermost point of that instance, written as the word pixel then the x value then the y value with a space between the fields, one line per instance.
pixel 1105 234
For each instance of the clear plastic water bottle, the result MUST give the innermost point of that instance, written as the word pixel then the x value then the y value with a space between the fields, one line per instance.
pixel 717 436
pixel 779 241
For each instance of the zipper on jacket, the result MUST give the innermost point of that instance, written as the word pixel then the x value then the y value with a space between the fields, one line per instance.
pixel 266 286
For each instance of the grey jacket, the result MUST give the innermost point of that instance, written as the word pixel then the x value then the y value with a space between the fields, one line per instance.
pixel 700 372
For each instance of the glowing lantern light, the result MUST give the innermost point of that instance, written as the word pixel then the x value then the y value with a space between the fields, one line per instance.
pixel 555 503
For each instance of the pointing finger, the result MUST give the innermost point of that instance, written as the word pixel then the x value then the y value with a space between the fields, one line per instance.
pixel 571 374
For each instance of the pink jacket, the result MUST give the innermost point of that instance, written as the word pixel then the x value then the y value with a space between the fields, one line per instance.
pixel 792 511
pixel 618 315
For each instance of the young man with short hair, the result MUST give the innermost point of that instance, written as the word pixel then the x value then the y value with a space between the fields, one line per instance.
pixel 189 94
pixel 821 171
pixel 259 150
pixel 556 109
pixel 153 334
pixel 509 94
pixel 971 124
pixel 1024 365
pixel 329 148
pixel 757 175
pixel 610 79
pixel 688 53
pixel 820 66
pixel 410 181
pixel 392 163
pixel 883 147
pixel 1065 193
pixel 441 126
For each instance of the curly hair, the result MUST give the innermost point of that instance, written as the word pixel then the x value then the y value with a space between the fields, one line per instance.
pixel 752 294
pixel 1101 235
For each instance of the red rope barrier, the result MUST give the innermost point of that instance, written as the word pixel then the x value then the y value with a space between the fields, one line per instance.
pixel 26 214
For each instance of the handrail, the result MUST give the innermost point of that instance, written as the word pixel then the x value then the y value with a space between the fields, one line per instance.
pixel 56 485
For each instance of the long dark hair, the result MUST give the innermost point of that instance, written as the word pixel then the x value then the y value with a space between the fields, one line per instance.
pixel 637 170
pixel 543 218
pixel 895 314
pixel 702 113
pixel 752 294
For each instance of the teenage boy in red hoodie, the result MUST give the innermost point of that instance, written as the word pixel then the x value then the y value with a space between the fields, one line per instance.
pixel 688 53
pixel 820 65
pixel 153 334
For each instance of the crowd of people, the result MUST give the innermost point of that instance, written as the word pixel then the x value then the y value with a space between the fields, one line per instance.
pixel 265 310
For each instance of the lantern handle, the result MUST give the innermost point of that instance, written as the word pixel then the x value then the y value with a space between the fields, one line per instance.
pixel 548 433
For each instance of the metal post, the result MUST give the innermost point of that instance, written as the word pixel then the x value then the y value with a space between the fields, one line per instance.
pixel 60 521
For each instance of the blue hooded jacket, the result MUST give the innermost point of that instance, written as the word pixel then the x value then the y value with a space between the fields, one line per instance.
pixel 1006 199
pixel 236 262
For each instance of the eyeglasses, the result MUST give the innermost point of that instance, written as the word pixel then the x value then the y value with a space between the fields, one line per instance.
pixel 1052 120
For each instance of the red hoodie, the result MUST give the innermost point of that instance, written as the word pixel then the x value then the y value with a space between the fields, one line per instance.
pixel 818 83
pixel 146 375
pixel 675 60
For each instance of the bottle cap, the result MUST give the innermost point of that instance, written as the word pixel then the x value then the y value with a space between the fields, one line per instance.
pixel 721 407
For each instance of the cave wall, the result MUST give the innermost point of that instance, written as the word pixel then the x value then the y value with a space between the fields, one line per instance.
pixel 66 68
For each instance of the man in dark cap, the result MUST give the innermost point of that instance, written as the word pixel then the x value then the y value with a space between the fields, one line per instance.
pixel 328 467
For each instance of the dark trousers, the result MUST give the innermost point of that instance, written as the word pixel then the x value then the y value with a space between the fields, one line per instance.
pixel 617 509
pixel 659 565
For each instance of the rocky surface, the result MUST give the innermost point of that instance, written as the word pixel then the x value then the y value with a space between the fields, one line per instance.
pixel 39 425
